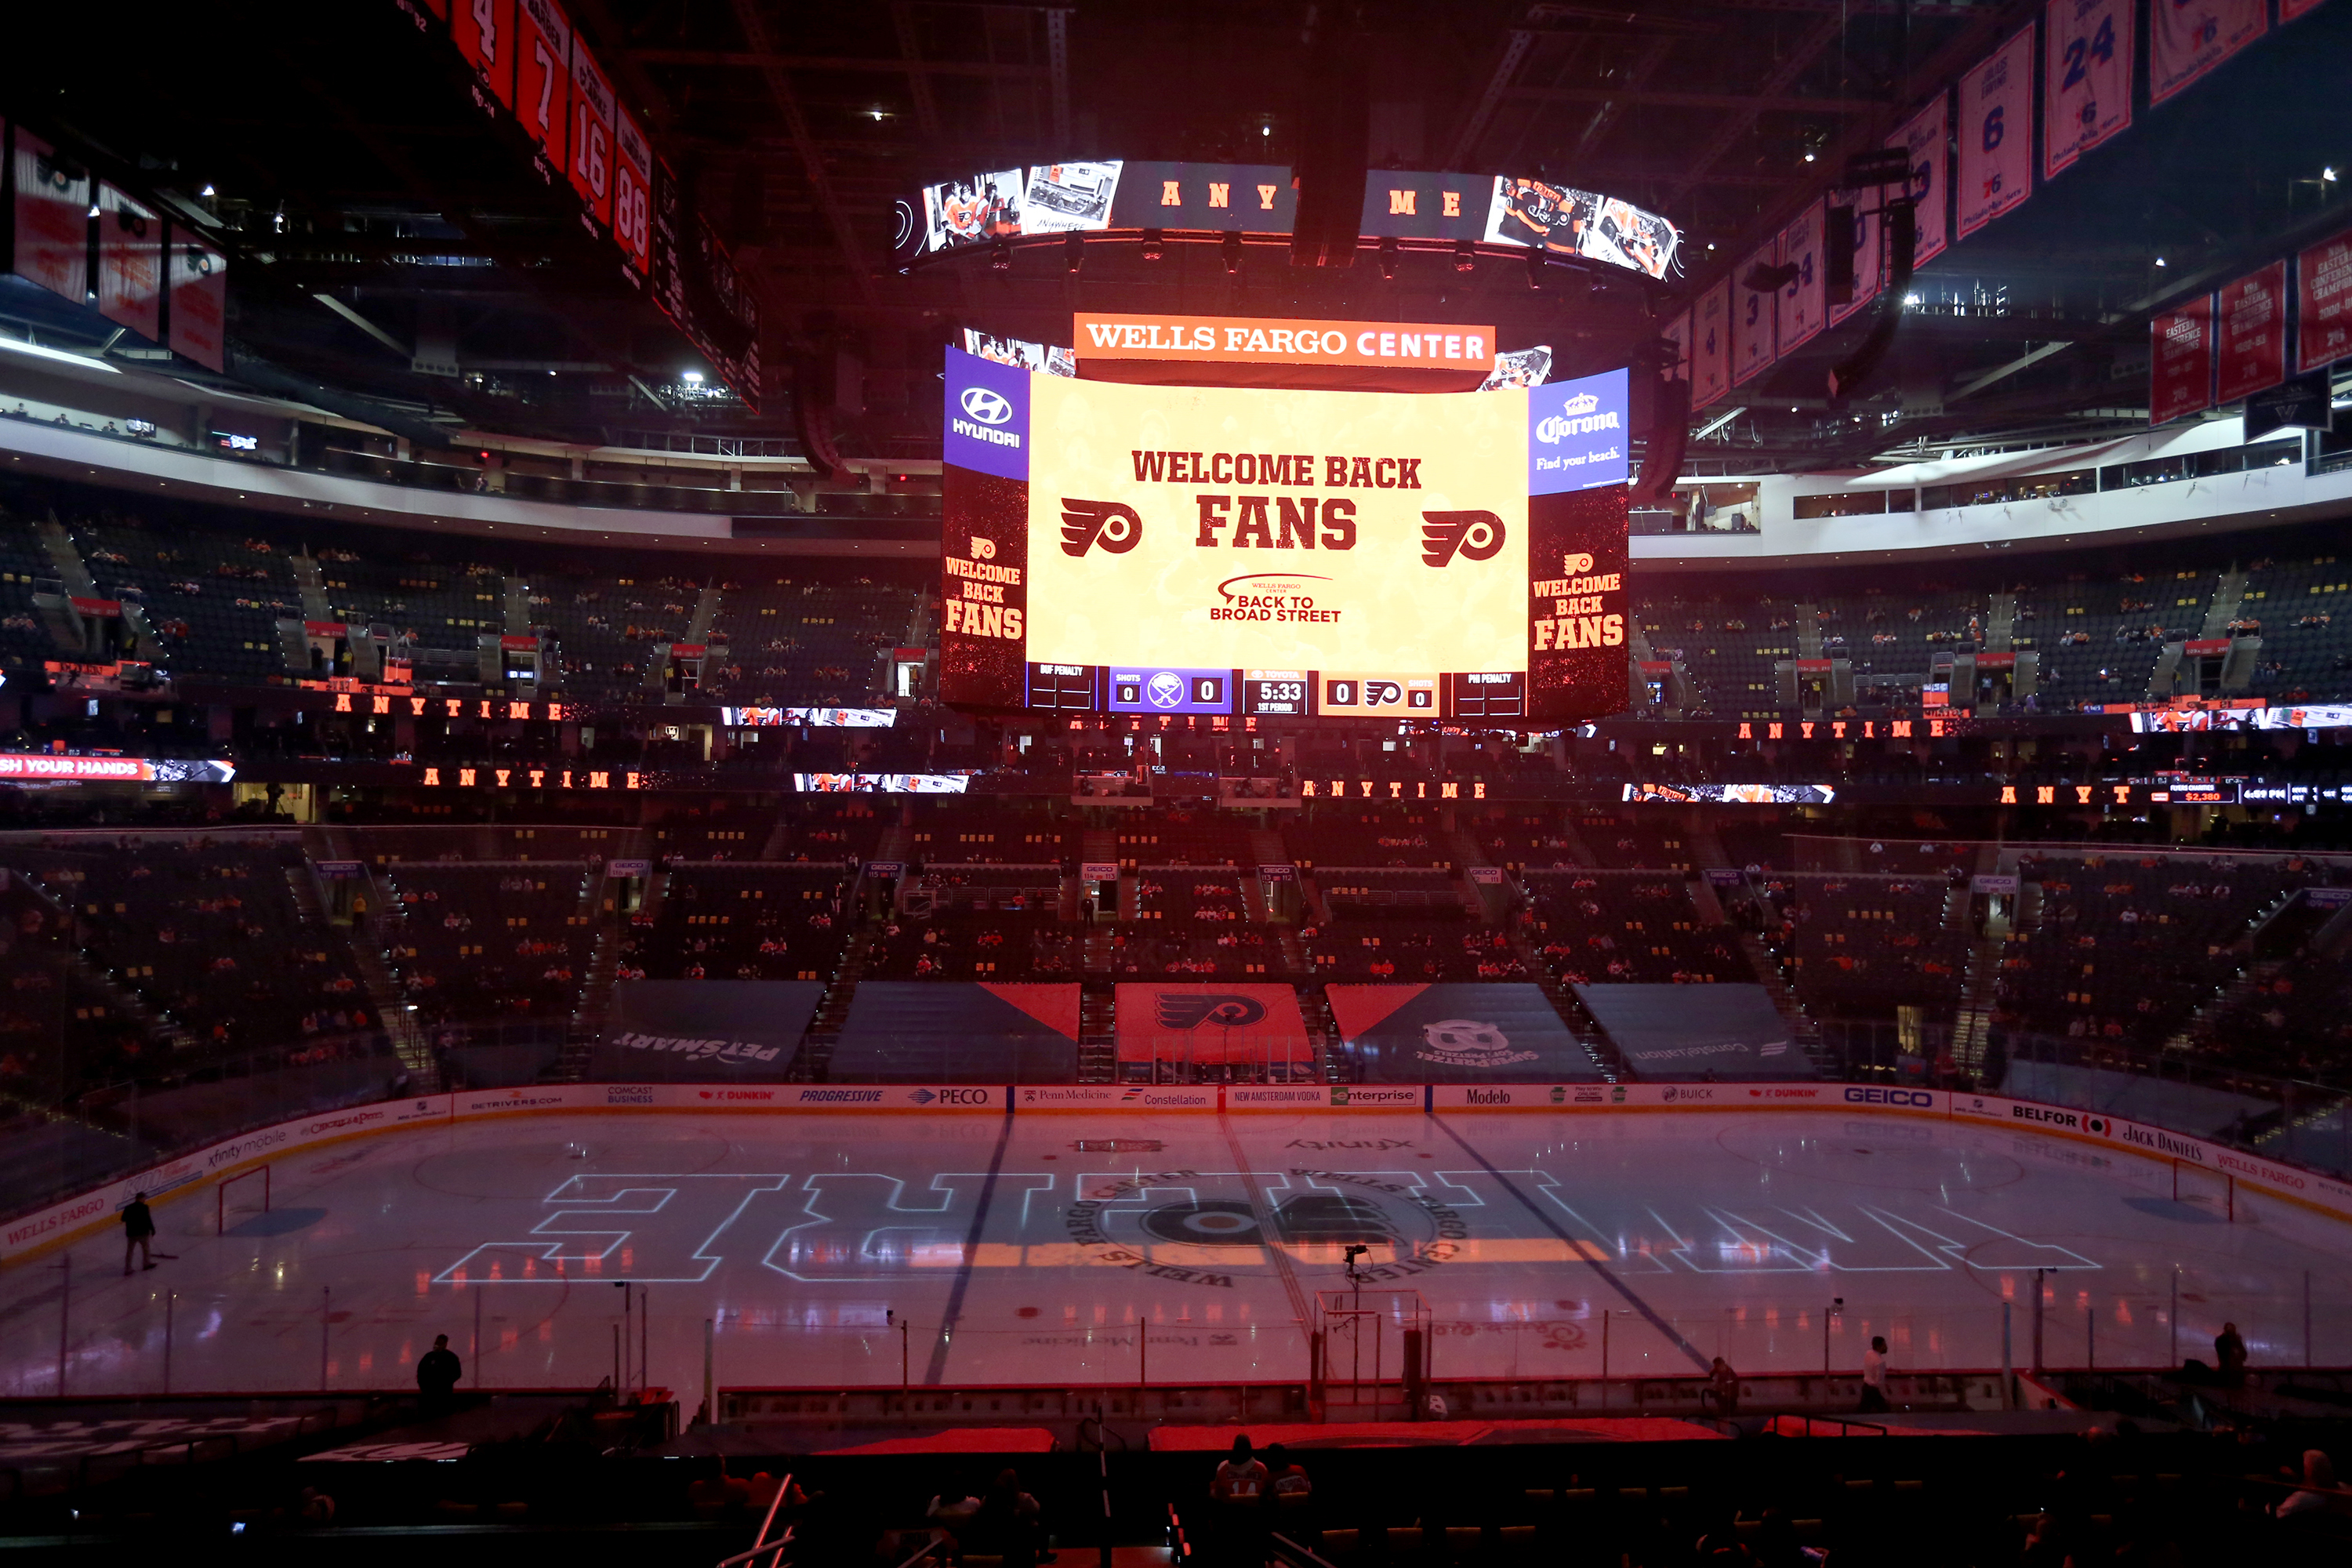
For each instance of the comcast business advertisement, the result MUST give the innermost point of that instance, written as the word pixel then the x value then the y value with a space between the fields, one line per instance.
pixel 1119 548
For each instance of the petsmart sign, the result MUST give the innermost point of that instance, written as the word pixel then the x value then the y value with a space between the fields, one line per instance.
pixel 1577 434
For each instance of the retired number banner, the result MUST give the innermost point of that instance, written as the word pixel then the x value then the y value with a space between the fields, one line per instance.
pixel 1996 130
pixel 2250 332
pixel 1927 138
pixel 1711 346
pixel 2087 82
pixel 1752 317
pixel 1801 301
pixel 2180 362
pixel 2186 39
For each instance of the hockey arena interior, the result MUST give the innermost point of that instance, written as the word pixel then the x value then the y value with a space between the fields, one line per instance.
pixel 968 785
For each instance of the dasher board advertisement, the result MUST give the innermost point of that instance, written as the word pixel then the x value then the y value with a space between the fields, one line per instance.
pixel 1461 544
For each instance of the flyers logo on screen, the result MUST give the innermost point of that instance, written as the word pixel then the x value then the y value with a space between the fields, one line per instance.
pixel 1472 535
pixel 1180 1011
pixel 1111 524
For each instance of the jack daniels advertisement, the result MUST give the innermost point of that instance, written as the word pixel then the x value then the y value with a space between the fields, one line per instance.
pixel 989 207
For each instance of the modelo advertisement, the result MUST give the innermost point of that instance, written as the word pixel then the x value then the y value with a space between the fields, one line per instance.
pixel 1190 547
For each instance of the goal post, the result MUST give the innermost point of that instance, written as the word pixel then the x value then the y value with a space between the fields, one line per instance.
pixel 2198 1183
pixel 243 1181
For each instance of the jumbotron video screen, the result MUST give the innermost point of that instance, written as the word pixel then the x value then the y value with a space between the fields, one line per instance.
pixel 1112 548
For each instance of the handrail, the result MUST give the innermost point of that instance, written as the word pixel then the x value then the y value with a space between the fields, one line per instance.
pixel 1294 1552
pixel 760 1542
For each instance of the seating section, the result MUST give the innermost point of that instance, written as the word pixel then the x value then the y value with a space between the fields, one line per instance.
pixel 1728 646
pixel 753 921
pixel 1520 840
pixel 214 600
pixel 485 942
pixel 1635 843
pixel 1628 926
pixel 1355 893
pixel 209 937
pixel 2291 606
pixel 1861 946
pixel 1003 945
pixel 2128 945
pixel 22 562
pixel 1403 951
pixel 1345 835
pixel 2099 639
pixel 822 642
pixel 1189 900
pixel 980 835
pixel 1180 839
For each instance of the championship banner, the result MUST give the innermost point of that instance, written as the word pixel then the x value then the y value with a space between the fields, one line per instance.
pixel 1801 303
pixel 1210 1025
pixel 1869 254
pixel 543 76
pixel 1996 131
pixel 2188 38
pixel 2322 287
pixel 1753 317
pixel 2180 362
pixel 2250 334
pixel 1457 1034
pixel 1711 346
pixel 130 264
pixel 2291 10
pixel 52 219
pixel 1926 137
pixel 2087 80
pixel 199 288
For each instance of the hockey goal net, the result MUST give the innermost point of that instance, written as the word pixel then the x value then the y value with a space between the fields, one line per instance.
pixel 240 1198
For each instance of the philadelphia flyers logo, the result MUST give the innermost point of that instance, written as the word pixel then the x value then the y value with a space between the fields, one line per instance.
pixel 1112 524
pixel 1472 535
pixel 1180 1010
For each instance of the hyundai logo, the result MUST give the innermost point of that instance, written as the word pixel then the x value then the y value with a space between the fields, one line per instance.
pixel 986 405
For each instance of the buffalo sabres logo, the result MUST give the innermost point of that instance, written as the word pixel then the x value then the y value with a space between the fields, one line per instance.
pixel 1472 535
pixel 1180 1010
pixel 1112 524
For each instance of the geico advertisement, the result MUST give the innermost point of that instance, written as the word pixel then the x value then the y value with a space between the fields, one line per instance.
pixel 1248 528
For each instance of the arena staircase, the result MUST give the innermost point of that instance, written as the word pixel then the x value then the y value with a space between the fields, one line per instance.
pixel 600 902
pixel 2000 623
pixel 310 582
pixel 706 615
pixel 369 950
pixel 58 545
pixel 2229 597
pixel 1098 1028
pixel 515 607
pixel 399 1024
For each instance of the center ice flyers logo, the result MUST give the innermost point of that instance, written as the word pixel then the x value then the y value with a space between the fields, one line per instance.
pixel 1472 535
pixel 1179 1010
pixel 1112 524
pixel 1468 1042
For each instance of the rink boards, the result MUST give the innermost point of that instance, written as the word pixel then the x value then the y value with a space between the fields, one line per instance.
pixel 73 1218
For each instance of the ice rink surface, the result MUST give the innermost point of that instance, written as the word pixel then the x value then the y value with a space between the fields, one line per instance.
pixel 837 1249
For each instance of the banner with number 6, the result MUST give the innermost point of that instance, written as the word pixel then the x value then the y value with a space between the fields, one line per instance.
pixel 1996 131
